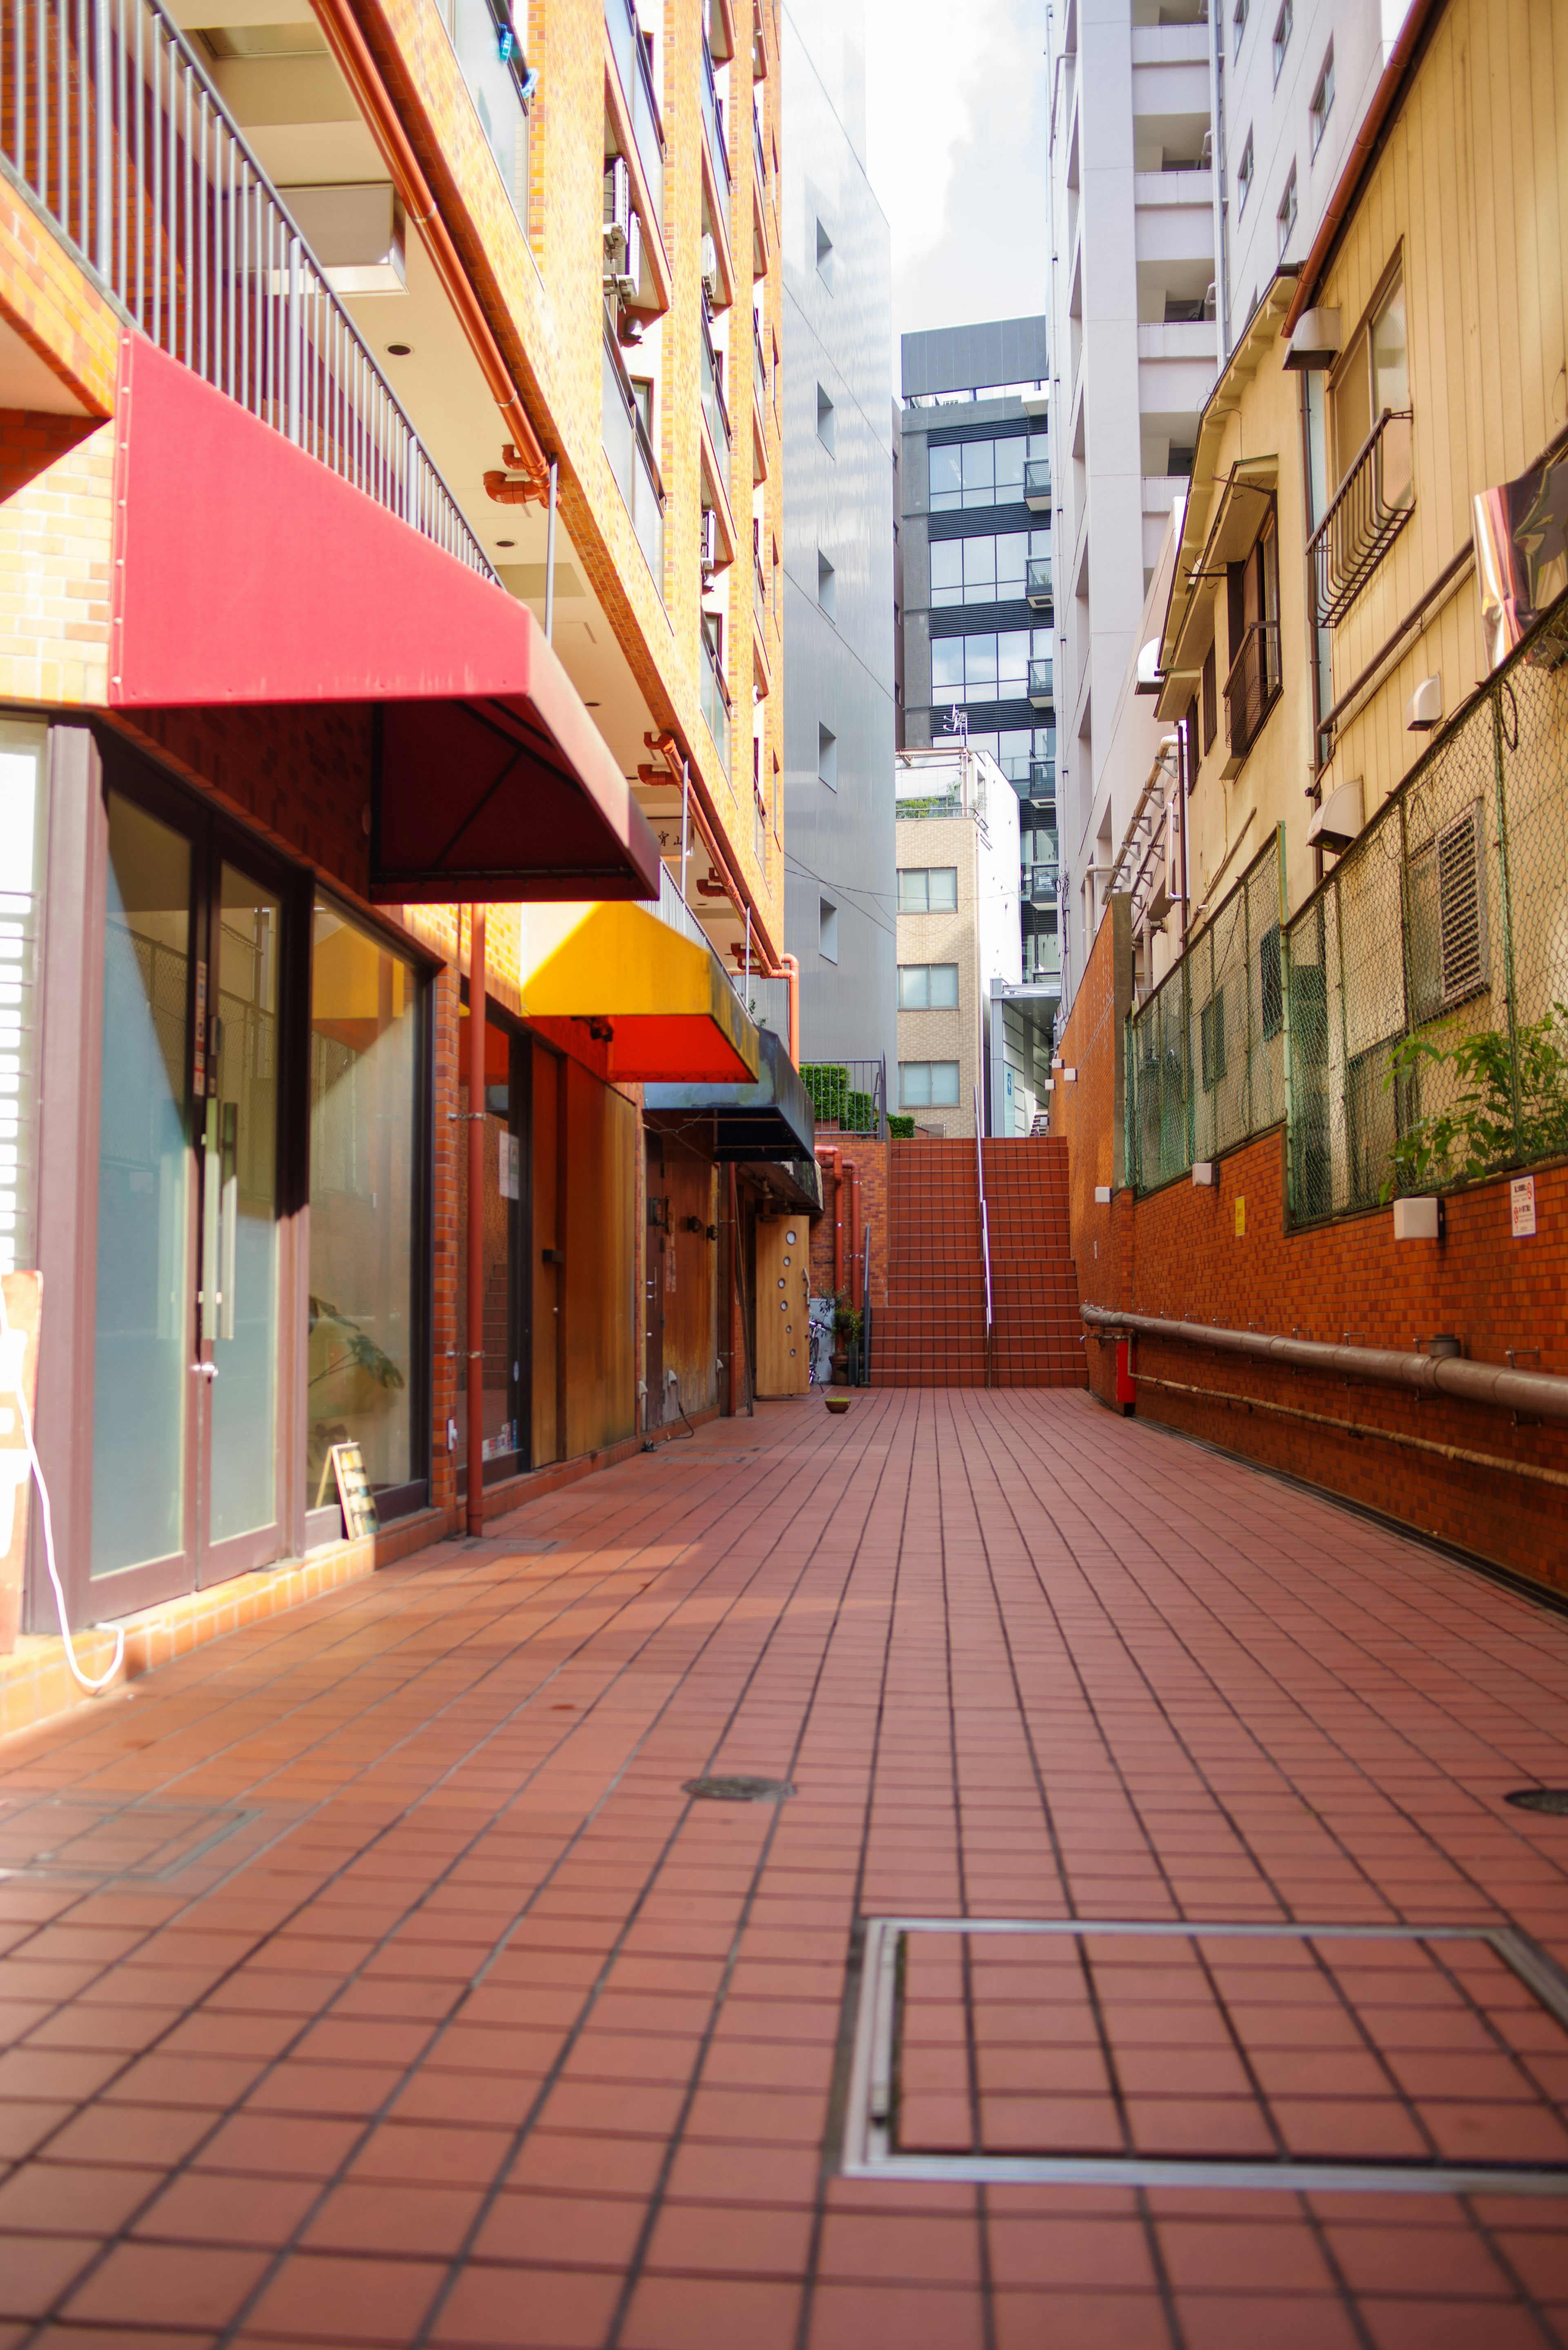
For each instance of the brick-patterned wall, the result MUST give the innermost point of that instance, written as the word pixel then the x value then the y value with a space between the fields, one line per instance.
pixel 871 1159
pixel 1181 1253
pixel 46 299
pixel 57 490
pixel 300 773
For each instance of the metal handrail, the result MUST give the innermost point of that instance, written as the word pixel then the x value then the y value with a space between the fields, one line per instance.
pixel 984 1228
pixel 640 98
pixel 116 131
pixel 714 119
pixel 1359 527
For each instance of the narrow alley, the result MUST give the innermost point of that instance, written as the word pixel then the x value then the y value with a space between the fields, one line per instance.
pixel 386 1975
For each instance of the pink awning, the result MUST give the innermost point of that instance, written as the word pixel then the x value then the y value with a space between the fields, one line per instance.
pixel 247 572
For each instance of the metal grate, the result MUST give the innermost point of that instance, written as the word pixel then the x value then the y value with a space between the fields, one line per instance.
pixel 140 1842
pixel 1219 2054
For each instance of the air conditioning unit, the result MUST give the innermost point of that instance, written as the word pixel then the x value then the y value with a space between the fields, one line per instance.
pixel 617 208
pixel 709 542
pixel 710 267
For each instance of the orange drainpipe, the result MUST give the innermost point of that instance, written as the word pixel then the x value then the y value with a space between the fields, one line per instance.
pixel 825 1153
pixel 790 965
pixel 354 57
pixel 852 1177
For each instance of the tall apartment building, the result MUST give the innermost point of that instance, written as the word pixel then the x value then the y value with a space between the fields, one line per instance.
pixel 838 546
pixel 976 590
pixel 959 946
pixel 390 533
pixel 1192 149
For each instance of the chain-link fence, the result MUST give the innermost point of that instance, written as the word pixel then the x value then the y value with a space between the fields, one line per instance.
pixel 1427 974
pixel 1205 1053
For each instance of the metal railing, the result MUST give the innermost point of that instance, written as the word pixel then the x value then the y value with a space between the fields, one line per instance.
pixel 1371 508
pixel 636 93
pixel 984 1228
pixel 850 1097
pixel 715 697
pixel 1252 685
pixel 673 911
pixel 110 123
pixel 1037 483
pixel 1427 976
pixel 1205 1052
pixel 1042 685
pixel 1037 581
pixel 631 460
pixel 713 404
pixel 759 595
pixel 1042 780
pixel 759 370
pixel 759 155
pixel 1042 881
pixel 714 123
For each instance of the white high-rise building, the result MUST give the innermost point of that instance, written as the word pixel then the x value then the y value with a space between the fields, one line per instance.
pixel 1193 147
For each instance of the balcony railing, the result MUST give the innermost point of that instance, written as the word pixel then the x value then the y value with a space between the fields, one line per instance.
pixel 637 90
pixel 1042 885
pixel 716 704
pixel 1042 779
pixel 759 370
pixel 632 461
pixel 850 1097
pixel 1252 686
pixel 759 596
pixel 1374 503
pixel 713 407
pixel 758 153
pixel 714 123
pixel 1037 485
pixel 1042 688
pixel 1037 581
pixel 110 123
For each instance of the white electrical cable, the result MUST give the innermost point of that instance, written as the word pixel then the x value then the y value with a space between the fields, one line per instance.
pixel 9 1354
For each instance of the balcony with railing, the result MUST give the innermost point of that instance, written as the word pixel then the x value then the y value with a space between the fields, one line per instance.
pixel 713 407
pixel 1374 503
pixel 631 460
pixel 630 52
pixel 1041 885
pixel 1037 485
pixel 715 696
pixel 759 596
pixel 1042 780
pixel 759 370
pixel 1037 582
pixel 112 126
pixel 759 155
pixel 1251 689
pixel 1042 684
pixel 713 124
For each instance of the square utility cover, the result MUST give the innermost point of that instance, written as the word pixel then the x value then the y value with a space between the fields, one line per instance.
pixel 1232 2055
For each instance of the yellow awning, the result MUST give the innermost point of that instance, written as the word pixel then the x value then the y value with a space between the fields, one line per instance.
pixel 668 1009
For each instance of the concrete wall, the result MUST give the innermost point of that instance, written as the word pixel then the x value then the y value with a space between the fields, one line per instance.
pixel 838 505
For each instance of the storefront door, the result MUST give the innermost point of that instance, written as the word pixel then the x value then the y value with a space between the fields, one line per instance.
pixel 190 1283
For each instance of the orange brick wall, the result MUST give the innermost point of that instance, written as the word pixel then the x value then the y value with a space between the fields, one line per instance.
pixel 44 296
pixel 56 480
pixel 1177 1253
pixel 871 1159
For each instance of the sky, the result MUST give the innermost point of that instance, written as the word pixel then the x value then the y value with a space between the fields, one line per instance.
pixel 955 135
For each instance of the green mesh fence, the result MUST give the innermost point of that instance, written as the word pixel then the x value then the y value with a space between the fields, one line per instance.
pixel 1427 974
pixel 1205 1052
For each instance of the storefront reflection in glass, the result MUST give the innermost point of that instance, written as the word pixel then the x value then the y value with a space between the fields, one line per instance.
pixel 364 1109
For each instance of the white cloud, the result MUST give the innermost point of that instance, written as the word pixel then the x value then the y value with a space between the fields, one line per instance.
pixel 955 104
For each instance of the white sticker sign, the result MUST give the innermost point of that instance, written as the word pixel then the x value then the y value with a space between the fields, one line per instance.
pixel 510 1166
pixel 1521 1200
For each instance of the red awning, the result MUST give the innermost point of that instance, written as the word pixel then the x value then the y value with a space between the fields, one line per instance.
pixel 248 572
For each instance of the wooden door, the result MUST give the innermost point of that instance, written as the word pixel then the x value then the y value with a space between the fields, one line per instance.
pixel 783 1291
pixel 546 1348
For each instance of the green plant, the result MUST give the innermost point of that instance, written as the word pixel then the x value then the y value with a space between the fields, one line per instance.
pixel 902 1126
pixel 1478 1130
pixel 848 1319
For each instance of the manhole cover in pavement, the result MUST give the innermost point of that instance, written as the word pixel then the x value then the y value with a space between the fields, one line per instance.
pixel 1220 2055
pixel 740 1791
pixel 1541 1799
pixel 83 1835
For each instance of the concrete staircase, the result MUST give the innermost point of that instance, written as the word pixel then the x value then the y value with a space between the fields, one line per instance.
pixel 931 1331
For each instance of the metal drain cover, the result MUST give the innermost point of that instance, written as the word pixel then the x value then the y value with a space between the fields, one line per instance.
pixel 1541 1799
pixel 740 1791
pixel 82 1835
pixel 1133 2053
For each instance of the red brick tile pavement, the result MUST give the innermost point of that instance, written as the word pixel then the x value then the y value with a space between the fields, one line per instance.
pixel 493 2036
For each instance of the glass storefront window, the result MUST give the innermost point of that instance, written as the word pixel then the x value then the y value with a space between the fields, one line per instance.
pixel 139 1373
pixel 500 1339
pixel 364 1203
pixel 23 834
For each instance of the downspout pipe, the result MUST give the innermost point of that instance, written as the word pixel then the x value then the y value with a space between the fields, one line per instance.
pixel 352 54
pixel 1537 1394
pixel 828 1152
pixel 852 1182
pixel 790 965
pixel 476 1030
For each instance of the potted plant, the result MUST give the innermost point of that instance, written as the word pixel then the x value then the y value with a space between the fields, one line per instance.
pixel 847 1325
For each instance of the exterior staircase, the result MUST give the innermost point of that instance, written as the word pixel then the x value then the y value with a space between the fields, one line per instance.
pixel 931 1331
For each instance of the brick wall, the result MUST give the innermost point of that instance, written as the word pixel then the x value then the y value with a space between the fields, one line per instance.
pixel 57 486
pixel 1185 1253
pixel 300 773
pixel 46 299
pixel 871 1159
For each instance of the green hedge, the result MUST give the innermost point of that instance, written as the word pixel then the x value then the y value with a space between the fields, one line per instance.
pixel 833 1099
pixel 903 1128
